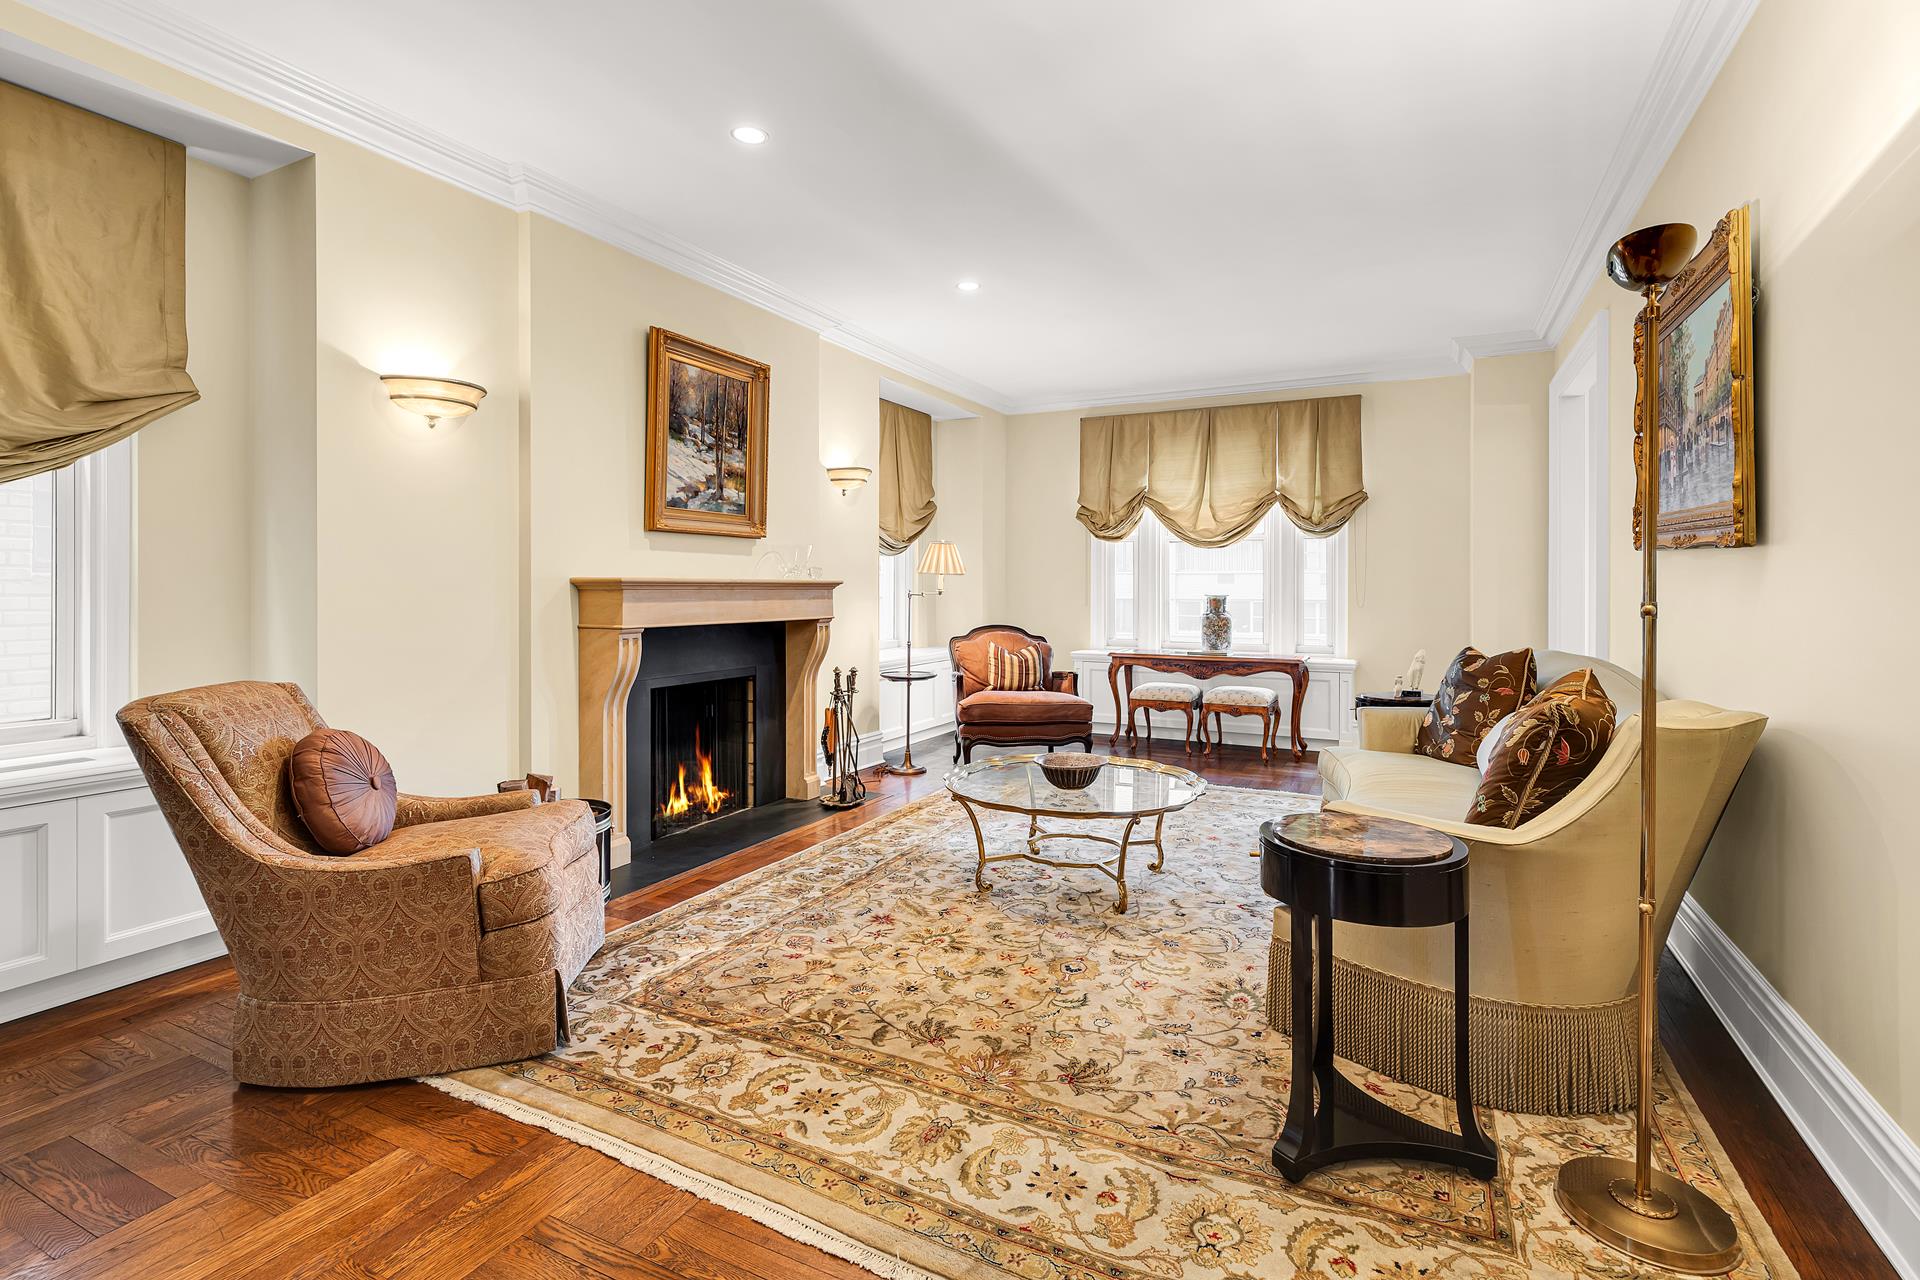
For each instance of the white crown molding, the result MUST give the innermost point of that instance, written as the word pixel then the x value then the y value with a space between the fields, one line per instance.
pixel 1872 1161
pixel 1697 44
pixel 1387 371
pixel 1702 34
pixel 185 43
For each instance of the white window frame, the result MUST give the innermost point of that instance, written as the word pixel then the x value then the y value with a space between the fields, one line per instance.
pixel 93 613
pixel 896 572
pixel 1284 581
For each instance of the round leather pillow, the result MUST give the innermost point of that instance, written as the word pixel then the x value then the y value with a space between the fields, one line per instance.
pixel 343 789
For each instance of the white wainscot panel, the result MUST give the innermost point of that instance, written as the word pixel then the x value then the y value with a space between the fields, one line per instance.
pixel 37 933
pixel 135 889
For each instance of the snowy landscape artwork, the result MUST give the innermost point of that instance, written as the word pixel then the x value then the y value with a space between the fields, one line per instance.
pixel 706 439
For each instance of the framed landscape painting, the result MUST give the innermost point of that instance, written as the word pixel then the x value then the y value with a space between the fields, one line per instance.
pixel 1705 389
pixel 706 439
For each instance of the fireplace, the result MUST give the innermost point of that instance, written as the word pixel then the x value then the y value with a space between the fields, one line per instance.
pixel 707 738
pixel 702 748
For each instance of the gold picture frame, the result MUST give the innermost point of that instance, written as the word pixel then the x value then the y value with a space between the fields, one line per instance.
pixel 1707 488
pixel 706 438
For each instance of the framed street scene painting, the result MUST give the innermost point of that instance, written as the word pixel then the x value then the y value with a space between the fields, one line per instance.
pixel 1705 390
pixel 706 439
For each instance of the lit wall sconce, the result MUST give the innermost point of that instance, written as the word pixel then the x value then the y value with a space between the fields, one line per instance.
pixel 433 398
pixel 847 479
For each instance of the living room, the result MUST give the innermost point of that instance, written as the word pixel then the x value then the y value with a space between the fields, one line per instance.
pixel 1017 520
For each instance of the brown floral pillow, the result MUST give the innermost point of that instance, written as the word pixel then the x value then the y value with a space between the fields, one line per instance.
pixel 1550 747
pixel 1477 691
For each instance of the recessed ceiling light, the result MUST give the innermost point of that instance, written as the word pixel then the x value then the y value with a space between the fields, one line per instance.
pixel 751 134
pixel 968 286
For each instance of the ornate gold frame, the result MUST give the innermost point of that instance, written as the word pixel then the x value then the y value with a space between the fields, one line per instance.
pixel 663 347
pixel 1728 256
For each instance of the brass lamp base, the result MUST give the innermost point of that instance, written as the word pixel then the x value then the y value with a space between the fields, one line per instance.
pixel 1677 1227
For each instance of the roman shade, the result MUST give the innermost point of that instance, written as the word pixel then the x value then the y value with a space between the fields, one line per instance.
pixel 93 282
pixel 906 476
pixel 1210 475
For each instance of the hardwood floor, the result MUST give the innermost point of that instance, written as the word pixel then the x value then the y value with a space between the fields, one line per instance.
pixel 127 1150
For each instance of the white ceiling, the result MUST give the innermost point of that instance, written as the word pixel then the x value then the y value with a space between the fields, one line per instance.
pixel 1156 198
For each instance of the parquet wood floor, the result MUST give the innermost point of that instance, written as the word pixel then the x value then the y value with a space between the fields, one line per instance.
pixel 127 1150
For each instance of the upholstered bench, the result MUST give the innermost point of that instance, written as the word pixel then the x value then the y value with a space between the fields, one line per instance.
pixel 1240 700
pixel 1162 695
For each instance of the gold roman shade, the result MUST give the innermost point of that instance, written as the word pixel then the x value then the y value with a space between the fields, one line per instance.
pixel 93 282
pixel 1211 474
pixel 906 476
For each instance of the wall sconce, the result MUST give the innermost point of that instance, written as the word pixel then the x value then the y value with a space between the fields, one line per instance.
pixel 847 479
pixel 433 398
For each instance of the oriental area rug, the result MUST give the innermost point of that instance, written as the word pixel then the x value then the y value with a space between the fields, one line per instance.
pixel 855 1048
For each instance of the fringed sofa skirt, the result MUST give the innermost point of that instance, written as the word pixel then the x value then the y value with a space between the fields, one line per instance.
pixel 1539 1059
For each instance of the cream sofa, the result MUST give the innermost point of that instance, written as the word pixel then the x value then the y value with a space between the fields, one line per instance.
pixel 1554 946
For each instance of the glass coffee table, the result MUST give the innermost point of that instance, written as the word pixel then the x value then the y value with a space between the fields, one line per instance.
pixel 1127 791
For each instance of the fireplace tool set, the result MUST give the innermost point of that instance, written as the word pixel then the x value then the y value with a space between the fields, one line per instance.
pixel 840 785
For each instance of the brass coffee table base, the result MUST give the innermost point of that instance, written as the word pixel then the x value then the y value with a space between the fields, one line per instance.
pixel 1114 869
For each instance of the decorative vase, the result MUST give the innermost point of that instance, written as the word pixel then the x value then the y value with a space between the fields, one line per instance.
pixel 1216 626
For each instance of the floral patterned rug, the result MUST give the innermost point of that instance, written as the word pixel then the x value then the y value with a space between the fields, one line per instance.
pixel 856 1048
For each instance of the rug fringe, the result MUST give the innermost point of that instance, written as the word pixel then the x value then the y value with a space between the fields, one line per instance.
pixel 765 1212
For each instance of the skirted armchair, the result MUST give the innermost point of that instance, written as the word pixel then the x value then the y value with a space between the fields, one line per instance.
pixel 1053 716
pixel 448 945
pixel 1555 951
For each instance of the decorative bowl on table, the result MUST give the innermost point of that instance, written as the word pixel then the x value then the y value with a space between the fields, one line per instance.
pixel 1071 770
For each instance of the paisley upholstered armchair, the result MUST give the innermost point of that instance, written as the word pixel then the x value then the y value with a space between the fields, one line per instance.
pixel 448 945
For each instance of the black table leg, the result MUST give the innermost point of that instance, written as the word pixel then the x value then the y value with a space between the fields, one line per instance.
pixel 1294 1137
pixel 1346 1122
pixel 1471 1139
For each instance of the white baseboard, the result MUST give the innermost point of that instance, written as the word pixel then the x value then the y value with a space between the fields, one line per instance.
pixel 92 980
pixel 1870 1158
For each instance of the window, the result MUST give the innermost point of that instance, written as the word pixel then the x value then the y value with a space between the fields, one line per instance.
pixel 1286 591
pixel 896 579
pixel 63 602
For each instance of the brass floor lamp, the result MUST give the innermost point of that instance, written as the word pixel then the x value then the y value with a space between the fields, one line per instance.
pixel 1629 1204
pixel 940 559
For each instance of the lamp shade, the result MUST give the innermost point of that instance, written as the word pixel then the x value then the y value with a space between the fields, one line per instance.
pixel 847 479
pixel 433 398
pixel 942 558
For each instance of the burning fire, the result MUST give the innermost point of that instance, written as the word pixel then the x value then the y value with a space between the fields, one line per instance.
pixel 702 795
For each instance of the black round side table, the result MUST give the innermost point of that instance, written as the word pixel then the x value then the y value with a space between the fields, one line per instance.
pixel 1375 871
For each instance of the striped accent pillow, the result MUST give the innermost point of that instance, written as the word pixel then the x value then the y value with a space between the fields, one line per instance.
pixel 1014 668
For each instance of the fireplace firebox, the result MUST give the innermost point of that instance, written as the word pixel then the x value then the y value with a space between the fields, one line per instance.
pixel 702 748
pixel 706 729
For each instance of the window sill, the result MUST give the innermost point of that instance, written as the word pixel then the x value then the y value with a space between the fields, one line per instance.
pixel 61 774
pixel 925 658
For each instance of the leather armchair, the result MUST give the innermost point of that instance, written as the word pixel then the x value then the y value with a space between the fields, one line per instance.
pixel 1054 716
pixel 448 945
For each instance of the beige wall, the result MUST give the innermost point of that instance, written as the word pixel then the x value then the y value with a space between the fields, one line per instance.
pixel 1406 548
pixel 1812 871
pixel 1507 587
pixel 193 570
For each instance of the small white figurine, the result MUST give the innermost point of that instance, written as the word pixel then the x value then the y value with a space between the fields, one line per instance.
pixel 1417 669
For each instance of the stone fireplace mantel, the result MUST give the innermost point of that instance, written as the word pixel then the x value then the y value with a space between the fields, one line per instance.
pixel 616 612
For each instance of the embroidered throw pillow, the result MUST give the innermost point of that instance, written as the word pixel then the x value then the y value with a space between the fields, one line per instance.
pixel 1015 668
pixel 1478 691
pixel 1545 751
pixel 1488 744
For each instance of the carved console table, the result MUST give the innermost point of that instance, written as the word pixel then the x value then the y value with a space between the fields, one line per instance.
pixel 615 614
pixel 1204 666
